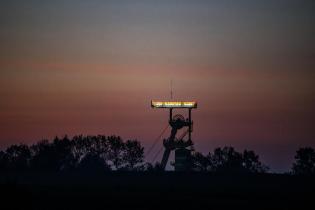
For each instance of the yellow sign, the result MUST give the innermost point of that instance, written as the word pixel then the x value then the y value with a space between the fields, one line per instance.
pixel 173 104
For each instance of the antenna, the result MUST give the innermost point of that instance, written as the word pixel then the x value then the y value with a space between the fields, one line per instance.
pixel 171 89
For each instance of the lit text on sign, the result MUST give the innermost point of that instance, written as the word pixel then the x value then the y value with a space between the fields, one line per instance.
pixel 174 104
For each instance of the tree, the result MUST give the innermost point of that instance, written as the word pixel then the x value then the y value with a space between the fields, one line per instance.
pixel 304 162
pixel 115 152
pixel 225 160
pixel 62 152
pixel 81 152
pixel 252 164
pixel 41 156
pixel 17 157
pixel 3 161
pixel 93 163
pixel 83 146
pixel 200 162
pixel 90 153
pixel 55 156
pixel 133 155
pixel 149 167
pixel 228 160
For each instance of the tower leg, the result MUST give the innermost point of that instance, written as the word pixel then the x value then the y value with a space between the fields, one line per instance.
pixel 171 114
pixel 165 158
pixel 189 129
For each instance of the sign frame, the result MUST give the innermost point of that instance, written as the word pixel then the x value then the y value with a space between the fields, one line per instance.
pixel 174 104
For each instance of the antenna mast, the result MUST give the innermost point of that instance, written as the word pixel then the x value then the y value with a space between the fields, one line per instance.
pixel 171 89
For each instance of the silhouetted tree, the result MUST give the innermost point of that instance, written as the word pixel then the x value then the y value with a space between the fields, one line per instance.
pixel 153 168
pixel 43 157
pixel 81 152
pixel 55 156
pixel 83 146
pixel 63 153
pixel 17 157
pixel 93 163
pixel 133 155
pixel 225 160
pixel 304 162
pixel 115 152
pixel 40 152
pixel 228 160
pixel 3 161
pixel 200 162
pixel 252 163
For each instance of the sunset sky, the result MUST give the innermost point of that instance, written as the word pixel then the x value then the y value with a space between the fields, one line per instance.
pixel 92 67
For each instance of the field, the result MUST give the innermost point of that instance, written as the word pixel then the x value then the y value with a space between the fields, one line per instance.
pixel 168 190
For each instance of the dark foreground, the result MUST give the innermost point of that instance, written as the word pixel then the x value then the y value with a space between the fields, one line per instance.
pixel 155 191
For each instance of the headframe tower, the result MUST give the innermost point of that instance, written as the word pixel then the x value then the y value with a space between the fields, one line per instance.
pixel 177 122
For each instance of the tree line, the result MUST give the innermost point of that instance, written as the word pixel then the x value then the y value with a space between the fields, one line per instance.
pixel 100 153
pixel 111 153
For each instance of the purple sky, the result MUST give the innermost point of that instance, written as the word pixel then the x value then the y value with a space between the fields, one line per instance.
pixel 92 67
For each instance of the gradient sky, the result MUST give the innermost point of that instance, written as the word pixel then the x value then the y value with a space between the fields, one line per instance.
pixel 92 67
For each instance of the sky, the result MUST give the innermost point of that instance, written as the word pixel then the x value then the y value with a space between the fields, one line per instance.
pixel 92 67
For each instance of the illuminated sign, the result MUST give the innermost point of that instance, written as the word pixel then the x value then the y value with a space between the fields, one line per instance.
pixel 173 104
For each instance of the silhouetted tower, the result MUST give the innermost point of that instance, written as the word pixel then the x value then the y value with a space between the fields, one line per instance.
pixel 177 122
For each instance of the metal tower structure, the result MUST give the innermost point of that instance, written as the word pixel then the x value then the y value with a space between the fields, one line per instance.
pixel 177 122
